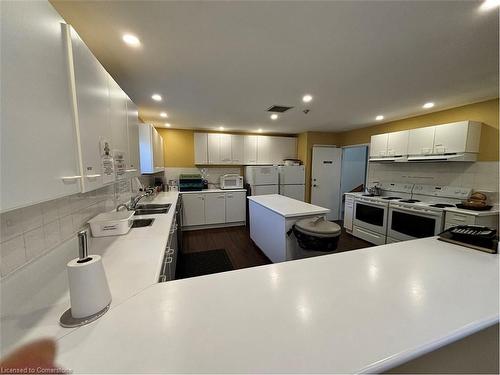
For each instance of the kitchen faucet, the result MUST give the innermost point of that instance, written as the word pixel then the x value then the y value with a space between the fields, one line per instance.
pixel 135 200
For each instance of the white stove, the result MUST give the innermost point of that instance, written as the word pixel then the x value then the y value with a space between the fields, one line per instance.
pixel 403 211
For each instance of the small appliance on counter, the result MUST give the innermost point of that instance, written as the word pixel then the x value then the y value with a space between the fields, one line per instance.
pixel 472 236
pixel 190 182
pixel 89 292
pixel 477 201
pixel 231 181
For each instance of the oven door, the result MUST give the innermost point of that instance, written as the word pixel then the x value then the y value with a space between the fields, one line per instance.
pixel 370 215
pixel 412 223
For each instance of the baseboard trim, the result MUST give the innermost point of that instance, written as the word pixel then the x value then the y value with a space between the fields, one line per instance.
pixel 212 226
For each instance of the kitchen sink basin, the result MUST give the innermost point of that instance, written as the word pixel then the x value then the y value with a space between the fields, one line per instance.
pixel 140 223
pixel 153 206
pixel 151 209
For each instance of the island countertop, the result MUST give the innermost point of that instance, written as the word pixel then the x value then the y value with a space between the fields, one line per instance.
pixel 287 207
pixel 359 311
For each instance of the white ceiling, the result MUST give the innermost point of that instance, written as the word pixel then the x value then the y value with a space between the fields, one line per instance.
pixel 224 63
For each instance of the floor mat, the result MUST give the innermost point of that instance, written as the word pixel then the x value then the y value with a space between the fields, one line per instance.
pixel 202 263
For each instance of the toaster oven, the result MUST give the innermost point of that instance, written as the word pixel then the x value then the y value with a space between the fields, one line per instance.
pixel 231 181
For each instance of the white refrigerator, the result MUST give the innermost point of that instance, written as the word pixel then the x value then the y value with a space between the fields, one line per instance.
pixel 292 180
pixel 262 179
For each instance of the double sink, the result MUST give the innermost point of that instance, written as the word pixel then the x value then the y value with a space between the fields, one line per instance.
pixel 149 209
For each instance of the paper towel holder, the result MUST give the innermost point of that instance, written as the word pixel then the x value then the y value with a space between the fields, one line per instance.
pixel 67 320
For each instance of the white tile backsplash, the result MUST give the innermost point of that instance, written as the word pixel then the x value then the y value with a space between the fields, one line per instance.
pixel 477 176
pixel 27 233
pixel 212 174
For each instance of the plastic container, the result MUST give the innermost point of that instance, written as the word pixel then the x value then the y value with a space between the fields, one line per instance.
pixel 317 234
pixel 111 223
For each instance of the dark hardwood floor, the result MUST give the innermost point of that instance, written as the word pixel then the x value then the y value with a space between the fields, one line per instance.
pixel 240 248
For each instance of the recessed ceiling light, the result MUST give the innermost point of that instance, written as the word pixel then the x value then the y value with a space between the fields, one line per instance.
pixel 164 114
pixel 307 98
pixel 131 40
pixel 221 128
pixel 259 130
pixel 428 105
pixel 156 97
pixel 489 5
pixel 379 118
pixel 167 125
pixel 274 116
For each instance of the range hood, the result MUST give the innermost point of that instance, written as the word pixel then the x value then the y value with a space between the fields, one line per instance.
pixel 389 159
pixel 467 156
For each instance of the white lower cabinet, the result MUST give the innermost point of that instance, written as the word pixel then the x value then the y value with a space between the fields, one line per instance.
pixel 348 212
pixel 213 208
pixel 194 209
pixel 453 218
pixel 235 207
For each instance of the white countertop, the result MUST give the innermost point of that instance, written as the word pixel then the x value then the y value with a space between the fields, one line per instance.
pixel 287 207
pixel 211 191
pixel 493 212
pixel 132 262
pixel 359 311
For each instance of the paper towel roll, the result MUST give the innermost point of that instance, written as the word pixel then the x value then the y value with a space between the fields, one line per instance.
pixel 88 287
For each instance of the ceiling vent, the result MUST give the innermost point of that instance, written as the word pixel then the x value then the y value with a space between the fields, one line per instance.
pixel 278 108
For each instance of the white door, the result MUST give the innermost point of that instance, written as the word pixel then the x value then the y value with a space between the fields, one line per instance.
pixel 293 191
pixel 92 95
pixel 264 189
pixel 200 148
pixel 237 149
pixel 225 148
pixel 250 149
pixel 133 138
pixel 213 148
pixel 451 137
pixel 194 209
pixel 235 206
pixel 215 208
pixel 378 145
pixel 38 140
pixel 421 141
pixel 397 143
pixel 325 189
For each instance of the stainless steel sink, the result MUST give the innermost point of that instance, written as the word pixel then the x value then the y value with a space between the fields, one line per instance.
pixel 152 209
pixel 140 223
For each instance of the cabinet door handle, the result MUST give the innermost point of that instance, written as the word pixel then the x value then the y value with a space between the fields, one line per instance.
pixel 92 175
pixel 169 260
pixel 131 170
pixel 70 178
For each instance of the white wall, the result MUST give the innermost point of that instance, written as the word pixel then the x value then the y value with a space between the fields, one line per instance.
pixel 478 176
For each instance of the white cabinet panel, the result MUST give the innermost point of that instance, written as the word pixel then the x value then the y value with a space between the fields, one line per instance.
pixel 215 208
pixel 157 151
pixel 235 207
pixel 250 149
pixel 151 149
pixel 237 149
pixel 225 148
pixel 450 137
pixel 194 209
pixel 200 148
pixel 133 139
pixel 38 134
pixel 264 151
pixel 118 117
pixel 348 212
pixel 282 148
pixel 214 149
pixel 378 145
pixel 421 141
pixel 397 143
pixel 92 97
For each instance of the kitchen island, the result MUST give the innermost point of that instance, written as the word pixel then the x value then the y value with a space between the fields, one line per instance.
pixel 271 217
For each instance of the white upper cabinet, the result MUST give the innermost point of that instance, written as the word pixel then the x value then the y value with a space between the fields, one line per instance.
pixel 378 145
pixel 200 148
pixel 220 148
pixel 92 108
pixel 457 137
pixel 421 141
pixel 397 143
pixel 151 149
pixel 250 149
pixel 118 117
pixel 38 142
pixel 237 149
pixel 133 139
pixel 214 156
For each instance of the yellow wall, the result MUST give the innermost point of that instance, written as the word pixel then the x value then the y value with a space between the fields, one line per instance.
pixel 485 112
pixel 179 147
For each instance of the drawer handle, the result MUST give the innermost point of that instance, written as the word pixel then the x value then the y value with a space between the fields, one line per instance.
pixel 92 175
pixel 169 251
pixel 169 260
pixel 70 178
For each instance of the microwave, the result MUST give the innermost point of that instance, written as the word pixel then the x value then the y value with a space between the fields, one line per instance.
pixel 231 181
